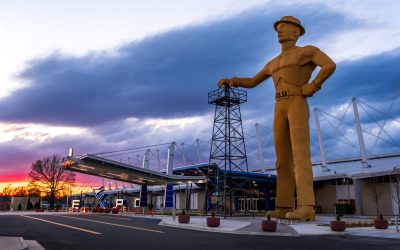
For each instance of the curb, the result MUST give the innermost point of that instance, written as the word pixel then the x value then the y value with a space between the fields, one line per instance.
pixel 15 243
pixel 34 245
pixel 24 246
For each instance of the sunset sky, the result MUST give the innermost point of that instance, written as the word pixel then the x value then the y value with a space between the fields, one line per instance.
pixel 107 75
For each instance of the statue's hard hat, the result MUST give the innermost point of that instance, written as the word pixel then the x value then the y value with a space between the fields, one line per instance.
pixel 292 20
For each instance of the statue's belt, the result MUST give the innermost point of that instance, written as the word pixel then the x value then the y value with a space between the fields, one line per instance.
pixel 284 94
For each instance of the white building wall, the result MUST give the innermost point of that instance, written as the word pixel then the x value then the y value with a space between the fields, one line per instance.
pixel 159 201
pixel 194 201
pixel 345 192
pixel 177 201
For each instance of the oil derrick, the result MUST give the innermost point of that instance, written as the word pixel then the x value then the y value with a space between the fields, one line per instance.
pixel 227 184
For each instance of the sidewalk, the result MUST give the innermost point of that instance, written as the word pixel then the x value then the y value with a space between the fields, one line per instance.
pixel 252 226
pixel 18 243
pixel 30 213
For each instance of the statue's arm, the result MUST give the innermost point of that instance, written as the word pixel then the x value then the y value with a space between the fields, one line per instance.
pixel 327 67
pixel 246 82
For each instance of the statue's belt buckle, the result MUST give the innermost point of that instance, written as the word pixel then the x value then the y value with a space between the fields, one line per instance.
pixel 281 95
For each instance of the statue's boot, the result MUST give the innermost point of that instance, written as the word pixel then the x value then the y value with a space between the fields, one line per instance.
pixel 279 212
pixel 303 213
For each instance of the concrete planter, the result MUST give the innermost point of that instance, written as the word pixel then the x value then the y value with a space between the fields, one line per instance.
pixel 269 225
pixel 94 210
pixel 115 210
pixel 100 210
pixel 381 224
pixel 183 218
pixel 107 210
pixel 338 226
pixel 213 222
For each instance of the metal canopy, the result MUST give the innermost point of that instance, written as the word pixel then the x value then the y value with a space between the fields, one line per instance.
pixel 102 167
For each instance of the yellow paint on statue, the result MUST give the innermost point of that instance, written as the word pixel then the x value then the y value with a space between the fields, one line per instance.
pixel 291 71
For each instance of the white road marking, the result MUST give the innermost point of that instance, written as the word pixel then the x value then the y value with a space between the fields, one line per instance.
pixel 63 225
pixel 114 224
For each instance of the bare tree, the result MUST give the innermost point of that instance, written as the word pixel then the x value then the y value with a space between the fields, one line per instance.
pixel 7 191
pixel 49 176
pixel 375 193
pixel 396 183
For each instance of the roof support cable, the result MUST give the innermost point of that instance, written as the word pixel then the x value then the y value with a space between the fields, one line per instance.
pixel 382 129
pixel 348 142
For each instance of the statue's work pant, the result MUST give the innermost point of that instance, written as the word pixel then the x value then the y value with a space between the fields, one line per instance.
pixel 292 146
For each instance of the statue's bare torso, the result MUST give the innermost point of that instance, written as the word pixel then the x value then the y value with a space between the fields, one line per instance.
pixel 293 67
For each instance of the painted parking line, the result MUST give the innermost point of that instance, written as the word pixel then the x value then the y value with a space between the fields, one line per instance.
pixel 63 225
pixel 114 224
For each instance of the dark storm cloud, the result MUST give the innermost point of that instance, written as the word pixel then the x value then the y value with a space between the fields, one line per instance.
pixel 373 79
pixel 170 74
pixel 167 75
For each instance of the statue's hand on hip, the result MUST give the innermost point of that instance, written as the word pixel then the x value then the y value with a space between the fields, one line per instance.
pixel 309 89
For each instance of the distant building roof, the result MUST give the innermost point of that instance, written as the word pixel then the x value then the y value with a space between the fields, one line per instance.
pixel 99 166
pixel 354 168
pixel 201 169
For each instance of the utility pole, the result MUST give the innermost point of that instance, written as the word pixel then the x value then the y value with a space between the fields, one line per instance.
pixel 183 153
pixel 146 159
pixel 170 159
pixel 321 143
pixel 360 134
pixel 158 158
pixel 198 150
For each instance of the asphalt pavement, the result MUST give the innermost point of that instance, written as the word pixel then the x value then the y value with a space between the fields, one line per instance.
pixel 88 231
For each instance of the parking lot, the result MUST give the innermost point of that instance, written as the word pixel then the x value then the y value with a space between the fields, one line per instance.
pixel 89 231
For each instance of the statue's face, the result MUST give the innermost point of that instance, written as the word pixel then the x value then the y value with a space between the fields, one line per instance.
pixel 287 32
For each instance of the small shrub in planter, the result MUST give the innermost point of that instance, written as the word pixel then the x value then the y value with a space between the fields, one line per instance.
pixel 183 217
pixel 115 210
pixel 36 206
pixel 213 221
pixel 268 225
pixel 107 210
pixel 338 225
pixel 100 210
pixel 381 223
pixel 57 208
pixel 94 210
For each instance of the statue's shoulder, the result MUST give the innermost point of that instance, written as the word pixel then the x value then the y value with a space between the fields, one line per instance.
pixel 308 50
pixel 307 53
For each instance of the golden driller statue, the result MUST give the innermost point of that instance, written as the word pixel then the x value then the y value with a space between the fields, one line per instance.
pixel 291 71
